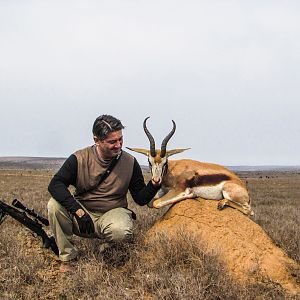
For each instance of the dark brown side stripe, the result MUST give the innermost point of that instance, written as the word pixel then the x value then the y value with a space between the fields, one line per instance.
pixel 198 180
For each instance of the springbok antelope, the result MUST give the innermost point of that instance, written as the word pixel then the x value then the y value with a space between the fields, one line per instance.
pixel 186 179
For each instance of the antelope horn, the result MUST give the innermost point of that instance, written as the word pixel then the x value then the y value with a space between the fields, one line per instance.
pixel 151 139
pixel 165 141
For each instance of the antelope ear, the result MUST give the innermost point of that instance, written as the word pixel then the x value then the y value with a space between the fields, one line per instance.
pixel 140 150
pixel 175 151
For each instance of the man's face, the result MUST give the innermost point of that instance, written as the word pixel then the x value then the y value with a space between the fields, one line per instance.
pixel 111 146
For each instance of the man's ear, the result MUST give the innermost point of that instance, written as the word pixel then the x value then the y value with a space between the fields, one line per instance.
pixel 96 140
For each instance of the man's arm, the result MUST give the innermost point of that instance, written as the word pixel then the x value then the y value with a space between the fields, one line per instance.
pixel 140 192
pixel 58 187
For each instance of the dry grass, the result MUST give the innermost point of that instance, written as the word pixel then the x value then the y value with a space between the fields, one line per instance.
pixel 183 271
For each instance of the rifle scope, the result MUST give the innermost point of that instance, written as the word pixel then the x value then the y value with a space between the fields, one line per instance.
pixel 16 203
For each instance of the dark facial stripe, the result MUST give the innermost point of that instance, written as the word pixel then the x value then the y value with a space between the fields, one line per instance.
pixel 200 180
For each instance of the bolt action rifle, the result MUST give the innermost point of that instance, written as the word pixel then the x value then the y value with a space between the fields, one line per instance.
pixel 29 218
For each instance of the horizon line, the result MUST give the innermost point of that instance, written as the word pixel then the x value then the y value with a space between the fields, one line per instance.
pixel 238 165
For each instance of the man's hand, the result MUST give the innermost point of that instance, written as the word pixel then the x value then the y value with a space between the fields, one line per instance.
pixel 84 221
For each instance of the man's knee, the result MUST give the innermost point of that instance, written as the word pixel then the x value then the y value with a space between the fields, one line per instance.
pixel 117 225
pixel 116 233
pixel 55 208
pixel 52 205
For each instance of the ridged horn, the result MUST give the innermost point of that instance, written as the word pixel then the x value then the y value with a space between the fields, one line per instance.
pixel 151 139
pixel 165 141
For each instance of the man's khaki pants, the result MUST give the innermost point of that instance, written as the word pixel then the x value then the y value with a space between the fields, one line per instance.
pixel 113 226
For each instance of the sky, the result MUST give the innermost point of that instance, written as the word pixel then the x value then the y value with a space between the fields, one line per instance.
pixel 227 72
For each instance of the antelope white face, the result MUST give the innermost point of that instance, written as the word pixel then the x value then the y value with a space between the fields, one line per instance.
pixel 158 167
pixel 158 159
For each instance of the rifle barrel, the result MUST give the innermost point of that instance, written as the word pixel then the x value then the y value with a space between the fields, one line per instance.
pixel 16 203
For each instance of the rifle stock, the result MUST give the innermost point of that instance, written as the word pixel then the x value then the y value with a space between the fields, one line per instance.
pixel 33 224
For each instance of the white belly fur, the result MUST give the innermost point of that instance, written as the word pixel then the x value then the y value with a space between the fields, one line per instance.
pixel 211 192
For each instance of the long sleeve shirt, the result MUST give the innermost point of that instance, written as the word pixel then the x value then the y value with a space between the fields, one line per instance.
pixel 67 175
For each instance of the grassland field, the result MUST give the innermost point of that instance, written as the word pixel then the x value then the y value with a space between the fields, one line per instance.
pixel 184 272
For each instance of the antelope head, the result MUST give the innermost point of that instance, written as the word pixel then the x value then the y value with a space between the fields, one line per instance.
pixel 158 159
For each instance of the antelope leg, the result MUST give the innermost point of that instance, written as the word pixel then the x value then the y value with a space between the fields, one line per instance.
pixel 173 197
pixel 244 208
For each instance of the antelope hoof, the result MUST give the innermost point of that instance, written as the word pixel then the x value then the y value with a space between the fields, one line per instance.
pixel 221 204
pixel 150 204
pixel 157 204
pixel 247 210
